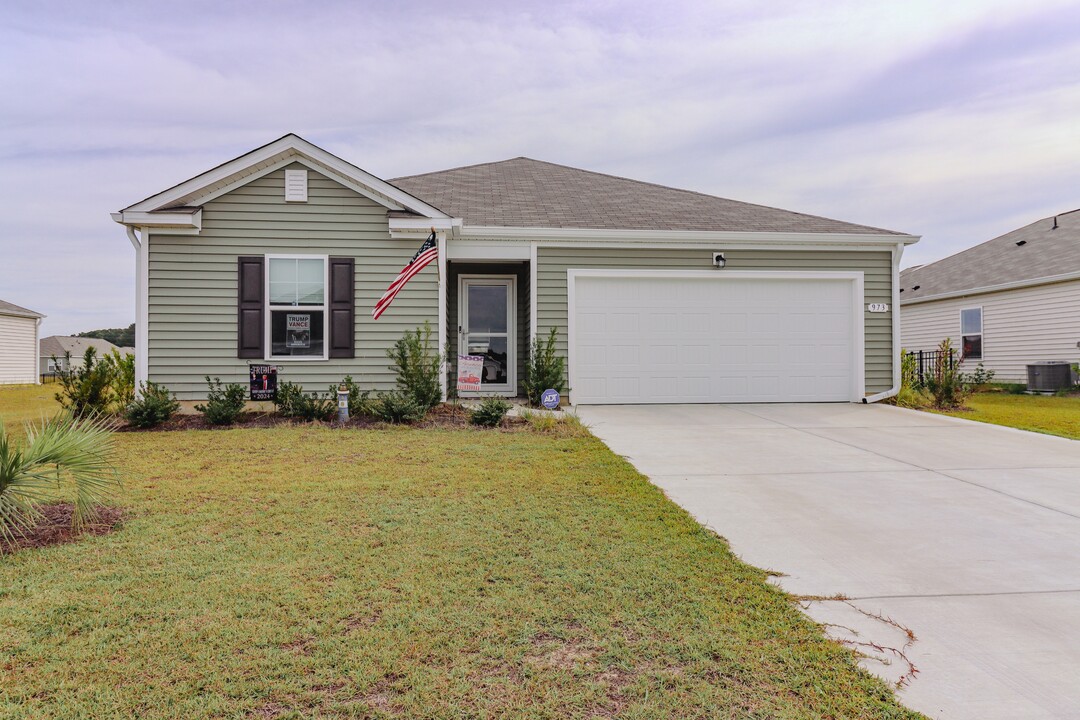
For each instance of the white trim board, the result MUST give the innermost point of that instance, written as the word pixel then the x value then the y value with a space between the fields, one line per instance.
pixel 663 237
pixel 268 320
pixel 858 366
pixel 510 281
pixel 296 145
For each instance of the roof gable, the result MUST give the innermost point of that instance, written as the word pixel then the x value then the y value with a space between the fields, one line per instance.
pixel 1046 248
pixel 279 153
pixel 522 192
pixel 7 308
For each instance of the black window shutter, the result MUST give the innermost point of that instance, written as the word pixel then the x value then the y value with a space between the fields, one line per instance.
pixel 342 308
pixel 249 307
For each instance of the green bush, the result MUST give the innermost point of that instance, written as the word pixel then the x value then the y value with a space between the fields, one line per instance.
pixel 912 394
pixel 359 400
pixel 66 458
pixel 418 366
pixel 946 383
pixel 223 404
pixel 291 401
pixel 490 412
pixel 153 406
pixel 121 369
pixel 398 407
pixel 544 369
pixel 85 390
pixel 977 379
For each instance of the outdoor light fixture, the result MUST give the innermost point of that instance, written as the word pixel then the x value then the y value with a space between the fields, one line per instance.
pixel 718 260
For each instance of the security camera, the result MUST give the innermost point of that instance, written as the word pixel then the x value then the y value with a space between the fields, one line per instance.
pixel 718 260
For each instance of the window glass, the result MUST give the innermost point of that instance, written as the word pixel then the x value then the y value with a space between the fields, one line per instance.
pixel 296 334
pixel 972 347
pixel 971 321
pixel 297 281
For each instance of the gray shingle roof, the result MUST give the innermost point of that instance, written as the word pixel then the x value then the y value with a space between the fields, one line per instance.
pixel 1044 252
pixel 59 344
pixel 7 308
pixel 530 193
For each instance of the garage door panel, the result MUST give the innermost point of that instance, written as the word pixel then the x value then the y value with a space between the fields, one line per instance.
pixel 660 339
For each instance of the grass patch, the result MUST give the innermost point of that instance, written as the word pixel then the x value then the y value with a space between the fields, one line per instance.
pixel 20 403
pixel 308 572
pixel 1052 415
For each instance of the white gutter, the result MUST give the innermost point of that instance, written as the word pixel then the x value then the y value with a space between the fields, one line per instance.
pixel 666 236
pixel 896 349
pixel 142 305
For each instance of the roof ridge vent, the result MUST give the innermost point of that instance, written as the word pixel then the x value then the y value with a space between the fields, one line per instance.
pixel 1055 223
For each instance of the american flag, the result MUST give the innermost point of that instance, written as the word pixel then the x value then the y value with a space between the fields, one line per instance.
pixel 427 252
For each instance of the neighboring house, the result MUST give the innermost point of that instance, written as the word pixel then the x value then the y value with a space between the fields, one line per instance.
pixel 18 351
pixel 625 272
pixel 55 348
pixel 1008 302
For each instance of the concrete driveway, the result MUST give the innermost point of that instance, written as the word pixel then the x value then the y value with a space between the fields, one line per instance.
pixel 965 533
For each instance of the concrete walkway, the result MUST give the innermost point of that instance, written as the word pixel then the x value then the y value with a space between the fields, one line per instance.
pixel 965 533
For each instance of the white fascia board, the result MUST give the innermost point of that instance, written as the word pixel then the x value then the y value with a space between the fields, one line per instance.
pixel 590 235
pixel 1049 280
pixel 181 219
pixel 413 227
pixel 294 143
pixel 488 250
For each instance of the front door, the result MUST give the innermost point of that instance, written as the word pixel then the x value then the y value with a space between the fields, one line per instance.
pixel 486 328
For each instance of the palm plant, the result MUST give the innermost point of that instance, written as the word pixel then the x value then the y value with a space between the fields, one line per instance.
pixel 63 458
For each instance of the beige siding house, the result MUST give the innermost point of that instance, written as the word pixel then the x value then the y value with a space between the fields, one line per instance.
pixel 655 294
pixel 65 352
pixel 1006 303
pixel 18 352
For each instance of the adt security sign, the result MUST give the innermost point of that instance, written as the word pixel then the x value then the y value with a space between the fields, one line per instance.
pixel 550 399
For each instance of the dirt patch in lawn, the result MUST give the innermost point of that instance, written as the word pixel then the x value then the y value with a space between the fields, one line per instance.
pixel 54 528
pixel 445 416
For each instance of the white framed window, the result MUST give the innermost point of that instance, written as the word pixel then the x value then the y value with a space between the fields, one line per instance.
pixel 971 334
pixel 296 293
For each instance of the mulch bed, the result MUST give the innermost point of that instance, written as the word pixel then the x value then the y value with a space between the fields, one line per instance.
pixel 54 528
pixel 445 416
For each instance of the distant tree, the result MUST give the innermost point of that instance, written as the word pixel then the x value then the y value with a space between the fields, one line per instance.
pixel 120 337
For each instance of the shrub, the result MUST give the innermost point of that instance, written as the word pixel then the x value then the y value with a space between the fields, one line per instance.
pixel 490 412
pixel 540 421
pixel 418 366
pixel 121 369
pixel 946 383
pixel 223 405
pixel 85 390
pixel 398 407
pixel 978 379
pixel 66 452
pixel 291 401
pixel 359 400
pixel 153 406
pixel 544 369
pixel 912 394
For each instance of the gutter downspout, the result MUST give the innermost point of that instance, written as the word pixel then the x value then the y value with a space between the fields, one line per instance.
pixel 895 389
pixel 142 345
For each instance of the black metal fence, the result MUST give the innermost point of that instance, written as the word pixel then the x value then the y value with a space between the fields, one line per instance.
pixel 928 361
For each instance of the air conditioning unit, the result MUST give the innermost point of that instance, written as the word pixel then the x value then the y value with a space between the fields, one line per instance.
pixel 1049 376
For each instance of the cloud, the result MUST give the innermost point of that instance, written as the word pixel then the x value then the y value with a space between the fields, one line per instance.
pixel 952 121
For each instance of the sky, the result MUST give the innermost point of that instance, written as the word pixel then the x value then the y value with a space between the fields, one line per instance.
pixel 955 121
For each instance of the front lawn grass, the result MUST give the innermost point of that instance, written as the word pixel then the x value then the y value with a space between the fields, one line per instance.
pixel 300 572
pixel 20 403
pixel 1052 414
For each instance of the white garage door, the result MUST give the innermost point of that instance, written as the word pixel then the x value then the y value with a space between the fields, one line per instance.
pixel 724 336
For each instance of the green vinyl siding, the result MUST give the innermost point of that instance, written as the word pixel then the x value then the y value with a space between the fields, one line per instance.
pixel 553 262
pixel 193 283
